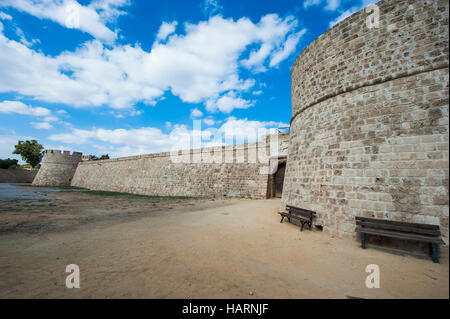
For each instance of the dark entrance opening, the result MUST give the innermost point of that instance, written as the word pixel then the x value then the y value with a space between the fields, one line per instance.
pixel 279 179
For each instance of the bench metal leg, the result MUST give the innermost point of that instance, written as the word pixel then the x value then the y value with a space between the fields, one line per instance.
pixel 282 218
pixel 435 252
pixel 301 227
pixel 363 241
pixel 310 226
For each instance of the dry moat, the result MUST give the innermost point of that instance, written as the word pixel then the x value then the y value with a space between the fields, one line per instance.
pixel 173 247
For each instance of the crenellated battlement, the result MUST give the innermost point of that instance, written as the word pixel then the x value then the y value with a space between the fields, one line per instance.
pixel 62 157
pixel 58 168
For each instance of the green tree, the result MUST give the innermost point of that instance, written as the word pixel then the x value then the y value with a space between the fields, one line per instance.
pixel 7 163
pixel 103 157
pixel 30 151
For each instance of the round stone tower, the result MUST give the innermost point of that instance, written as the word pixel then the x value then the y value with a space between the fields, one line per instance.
pixel 369 132
pixel 57 168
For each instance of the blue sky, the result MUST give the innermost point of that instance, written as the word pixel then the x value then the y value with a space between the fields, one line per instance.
pixel 128 77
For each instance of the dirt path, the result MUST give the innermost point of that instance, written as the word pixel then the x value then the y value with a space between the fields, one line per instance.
pixel 220 249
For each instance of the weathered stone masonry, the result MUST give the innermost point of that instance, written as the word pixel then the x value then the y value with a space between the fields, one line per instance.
pixel 16 176
pixel 233 171
pixel 157 174
pixel 369 133
pixel 57 168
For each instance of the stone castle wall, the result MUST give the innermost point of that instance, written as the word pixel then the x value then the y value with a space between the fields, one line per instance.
pixel 278 158
pixel 283 145
pixel 57 168
pixel 211 172
pixel 16 175
pixel 369 133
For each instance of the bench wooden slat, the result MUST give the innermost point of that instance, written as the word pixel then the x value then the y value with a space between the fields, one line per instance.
pixel 300 214
pixel 402 228
pixel 395 234
pixel 298 209
pixel 295 216
pixel 392 222
pixel 305 216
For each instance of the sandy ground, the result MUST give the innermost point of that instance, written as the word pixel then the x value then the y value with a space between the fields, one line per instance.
pixel 130 247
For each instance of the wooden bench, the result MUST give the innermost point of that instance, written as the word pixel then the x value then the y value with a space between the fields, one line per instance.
pixel 401 230
pixel 303 215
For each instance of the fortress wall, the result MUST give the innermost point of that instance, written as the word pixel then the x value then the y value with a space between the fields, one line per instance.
pixel 197 173
pixel 411 38
pixel 57 168
pixel 16 175
pixel 369 135
pixel 278 158
pixel 283 144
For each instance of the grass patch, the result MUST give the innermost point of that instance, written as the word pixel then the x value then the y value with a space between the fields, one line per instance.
pixel 151 197
pixel 68 187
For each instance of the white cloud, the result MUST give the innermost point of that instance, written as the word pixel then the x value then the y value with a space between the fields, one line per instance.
pixel 135 113
pixel 165 30
pixel 23 38
pixel 289 46
pixel 124 142
pixel 10 107
pixel 144 140
pixel 19 32
pixel 257 58
pixel 228 103
pixel 91 76
pixel 41 125
pixel 123 114
pixel 200 66
pixel 272 38
pixel 4 16
pixel 196 113
pixel 71 14
pixel 331 5
pixel 345 14
pixel 109 9
pixel 310 3
pixel 211 7
pixel 51 118
pixel 250 131
pixel 45 116
pixel 7 143
pixel 209 121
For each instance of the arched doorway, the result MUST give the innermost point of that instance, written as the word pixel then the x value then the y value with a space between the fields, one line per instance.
pixel 279 179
